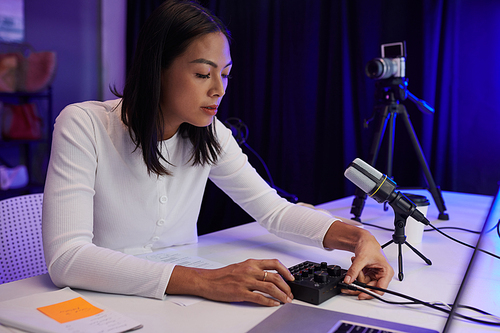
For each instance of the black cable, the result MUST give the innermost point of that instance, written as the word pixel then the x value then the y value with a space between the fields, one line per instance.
pixel 350 287
pixel 241 137
pixel 415 301
pixel 448 236
pixel 240 132
pixel 465 244
pixel 498 228
pixel 455 228
pixel 427 230
pixel 377 226
pixel 271 181
pixel 291 197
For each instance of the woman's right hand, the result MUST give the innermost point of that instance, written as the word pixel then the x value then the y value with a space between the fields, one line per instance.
pixel 248 281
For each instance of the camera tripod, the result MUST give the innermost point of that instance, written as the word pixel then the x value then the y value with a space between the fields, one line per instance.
pixel 391 91
pixel 399 238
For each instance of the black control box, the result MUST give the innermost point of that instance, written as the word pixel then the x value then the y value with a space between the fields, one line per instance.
pixel 315 283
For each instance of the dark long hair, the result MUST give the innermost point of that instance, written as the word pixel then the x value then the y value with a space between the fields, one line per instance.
pixel 165 35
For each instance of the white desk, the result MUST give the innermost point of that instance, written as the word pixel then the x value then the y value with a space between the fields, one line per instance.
pixel 438 282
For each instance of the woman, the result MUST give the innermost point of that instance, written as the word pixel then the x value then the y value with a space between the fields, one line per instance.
pixel 127 177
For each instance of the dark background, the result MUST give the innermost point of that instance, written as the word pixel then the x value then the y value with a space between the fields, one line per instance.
pixel 300 87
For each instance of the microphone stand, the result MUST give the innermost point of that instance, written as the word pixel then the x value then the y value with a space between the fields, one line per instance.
pixel 390 92
pixel 399 238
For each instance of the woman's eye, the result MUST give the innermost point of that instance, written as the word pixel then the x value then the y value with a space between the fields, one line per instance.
pixel 203 76
pixel 226 76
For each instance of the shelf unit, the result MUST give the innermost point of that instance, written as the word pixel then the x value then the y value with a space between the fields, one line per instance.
pixel 34 154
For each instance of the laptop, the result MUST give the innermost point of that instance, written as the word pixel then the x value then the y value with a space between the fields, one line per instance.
pixel 300 318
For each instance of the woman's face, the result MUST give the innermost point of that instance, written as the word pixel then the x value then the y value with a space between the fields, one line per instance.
pixel 193 86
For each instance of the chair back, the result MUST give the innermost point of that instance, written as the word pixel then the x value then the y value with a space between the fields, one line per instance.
pixel 21 248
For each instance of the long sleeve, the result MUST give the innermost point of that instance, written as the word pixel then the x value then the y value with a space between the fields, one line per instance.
pixel 238 179
pixel 82 230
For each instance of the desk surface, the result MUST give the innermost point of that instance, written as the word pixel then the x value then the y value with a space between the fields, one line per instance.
pixel 438 282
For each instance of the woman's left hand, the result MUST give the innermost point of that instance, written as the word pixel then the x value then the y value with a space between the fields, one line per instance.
pixel 369 264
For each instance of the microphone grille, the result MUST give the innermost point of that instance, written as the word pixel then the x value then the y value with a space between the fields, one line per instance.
pixel 361 180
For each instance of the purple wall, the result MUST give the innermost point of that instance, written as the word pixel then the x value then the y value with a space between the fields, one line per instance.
pixel 71 29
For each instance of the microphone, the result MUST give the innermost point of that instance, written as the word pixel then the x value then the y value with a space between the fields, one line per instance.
pixel 383 189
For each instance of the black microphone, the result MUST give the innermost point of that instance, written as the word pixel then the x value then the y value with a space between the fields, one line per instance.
pixel 381 188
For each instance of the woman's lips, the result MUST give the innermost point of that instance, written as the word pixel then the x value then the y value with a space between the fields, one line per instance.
pixel 210 109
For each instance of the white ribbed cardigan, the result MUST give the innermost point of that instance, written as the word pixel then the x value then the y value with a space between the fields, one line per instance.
pixel 101 207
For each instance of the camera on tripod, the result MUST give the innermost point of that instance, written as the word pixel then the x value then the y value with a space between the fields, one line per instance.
pixel 391 64
pixel 391 88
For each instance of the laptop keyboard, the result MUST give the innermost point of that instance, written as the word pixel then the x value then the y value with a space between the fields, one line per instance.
pixel 350 328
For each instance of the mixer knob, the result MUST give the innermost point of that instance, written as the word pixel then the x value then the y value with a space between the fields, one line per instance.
pixel 320 277
pixel 334 270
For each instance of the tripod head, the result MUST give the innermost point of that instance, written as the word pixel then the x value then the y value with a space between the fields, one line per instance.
pixel 388 95
pixel 396 89
pixel 391 90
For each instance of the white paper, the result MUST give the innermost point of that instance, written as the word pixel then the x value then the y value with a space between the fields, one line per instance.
pixel 172 256
pixel 23 313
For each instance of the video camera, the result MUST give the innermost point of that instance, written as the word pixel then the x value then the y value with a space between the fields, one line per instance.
pixel 391 64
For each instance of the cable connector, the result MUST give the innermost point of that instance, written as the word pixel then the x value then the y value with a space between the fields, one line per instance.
pixel 351 286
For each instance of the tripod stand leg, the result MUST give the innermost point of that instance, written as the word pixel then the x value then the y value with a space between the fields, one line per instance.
pixel 400 263
pixel 387 244
pixel 418 253
pixel 400 259
pixel 358 202
pixel 390 143
pixel 385 116
pixel 435 191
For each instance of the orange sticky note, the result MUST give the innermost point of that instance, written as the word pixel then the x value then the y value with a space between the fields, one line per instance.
pixel 73 309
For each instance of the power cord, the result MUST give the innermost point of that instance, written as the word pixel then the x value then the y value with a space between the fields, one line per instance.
pixel 497 227
pixel 240 133
pixel 363 287
pixel 455 228
pixel 428 230
pixel 465 244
